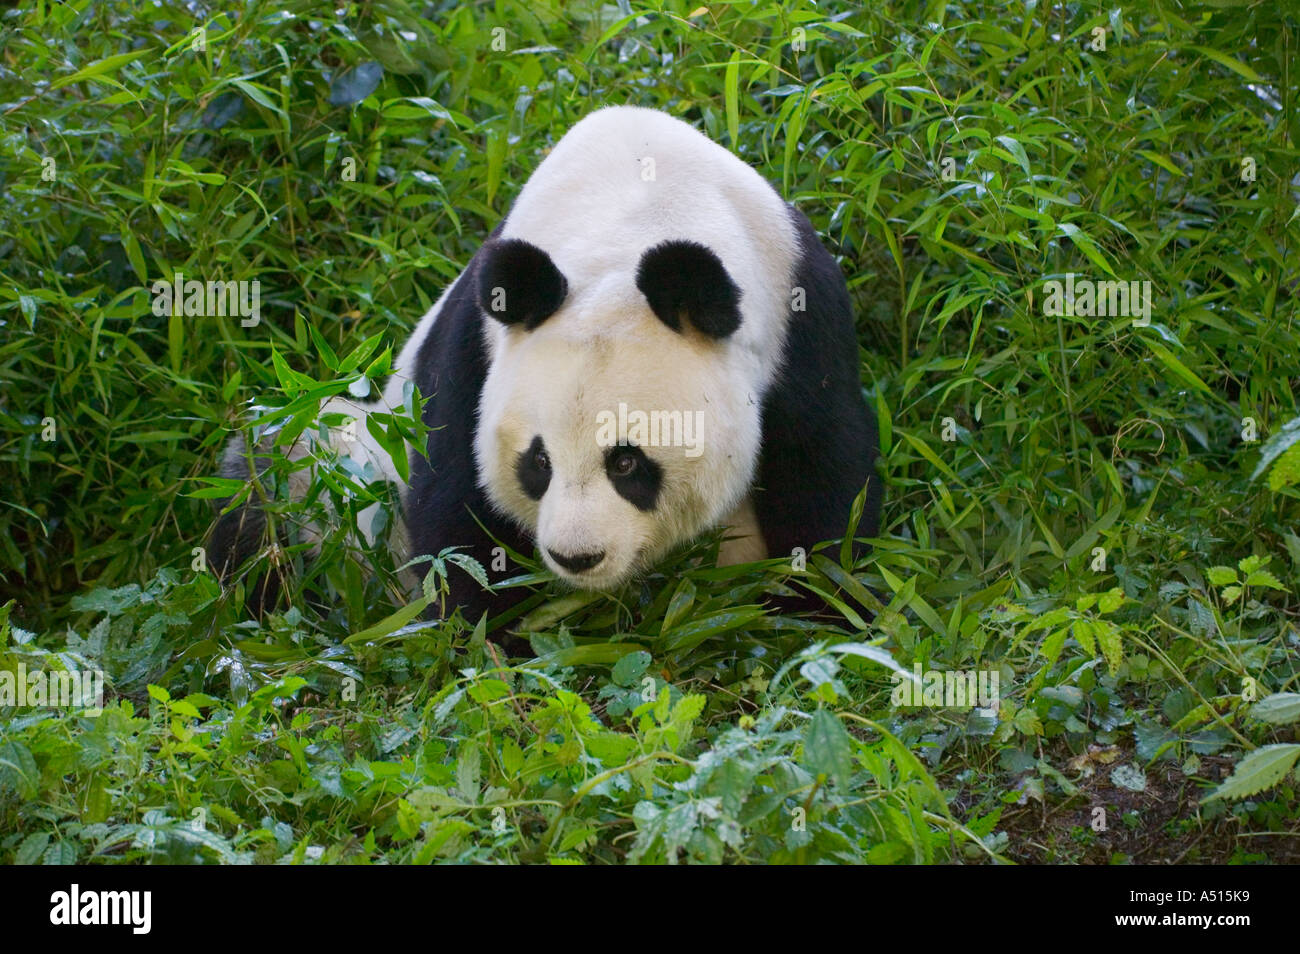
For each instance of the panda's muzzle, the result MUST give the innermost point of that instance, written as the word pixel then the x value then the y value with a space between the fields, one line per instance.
pixel 578 562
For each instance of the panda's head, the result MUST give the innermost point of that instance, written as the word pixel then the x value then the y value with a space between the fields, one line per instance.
pixel 615 421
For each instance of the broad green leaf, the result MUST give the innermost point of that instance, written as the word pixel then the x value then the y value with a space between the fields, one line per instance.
pixel 691 634
pixel 592 654
pixel 1083 241
pixel 1223 59
pixel 349 87
pixel 1161 161
pixel 1281 708
pixel 732 96
pixel 390 623
pixel 630 667
pixel 1180 370
pixel 108 64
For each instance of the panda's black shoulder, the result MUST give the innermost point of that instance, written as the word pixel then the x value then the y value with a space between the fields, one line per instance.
pixel 819 371
pixel 450 367
pixel 819 437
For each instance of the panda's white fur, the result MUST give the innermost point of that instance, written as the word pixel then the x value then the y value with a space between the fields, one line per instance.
pixel 622 181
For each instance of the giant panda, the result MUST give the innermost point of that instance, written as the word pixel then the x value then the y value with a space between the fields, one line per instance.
pixel 642 270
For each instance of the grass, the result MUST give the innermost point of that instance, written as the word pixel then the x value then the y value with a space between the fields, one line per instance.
pixel 1102 511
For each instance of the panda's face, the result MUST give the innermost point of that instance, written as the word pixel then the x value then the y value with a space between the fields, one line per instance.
pixel 611 436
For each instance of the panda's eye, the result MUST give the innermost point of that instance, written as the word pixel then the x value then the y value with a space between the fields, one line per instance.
pixel 533 469
pixel 635 476
pixel 623 464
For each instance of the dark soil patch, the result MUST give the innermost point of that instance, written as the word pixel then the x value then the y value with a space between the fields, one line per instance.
pixel 1165 824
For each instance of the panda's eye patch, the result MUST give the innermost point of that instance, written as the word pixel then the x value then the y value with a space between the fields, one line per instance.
pixel 533 468
pixel 634 475
pixel 622 464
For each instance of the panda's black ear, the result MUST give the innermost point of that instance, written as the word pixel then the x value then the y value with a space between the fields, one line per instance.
pixel 518 283
pixel 685 281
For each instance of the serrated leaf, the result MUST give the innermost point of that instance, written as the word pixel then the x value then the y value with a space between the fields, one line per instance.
pixel 1261 769
pixel 1265 579
pixel 1248 565
pixel 1028 723
pixel 1108 639
pixel 512 758
pixel 688 709
pixel 488 690
pixel 628 670
pixel 1111 600
pixel 820 670
pixel 1221 575
pixel 827 747
pixel 468 763
pixel 443 709
pixel 732 781
pixel 1052 645
pixel 18 770
pixel 471 566
pixel 662 702
pixel 611 748
pixel 1286 438
pixel 182 708
pixel 1286 469
pixel 29 852
pixel 1082 630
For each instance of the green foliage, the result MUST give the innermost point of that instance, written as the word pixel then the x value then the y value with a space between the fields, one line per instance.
pixel 497 764
pixel 1101 510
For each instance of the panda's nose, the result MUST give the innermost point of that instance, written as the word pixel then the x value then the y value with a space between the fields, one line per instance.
pixel 578 562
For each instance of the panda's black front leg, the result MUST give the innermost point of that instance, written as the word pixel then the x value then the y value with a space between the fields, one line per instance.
pixel 804 493
pixel 444 509
pixel 804 496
